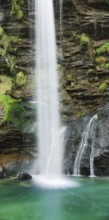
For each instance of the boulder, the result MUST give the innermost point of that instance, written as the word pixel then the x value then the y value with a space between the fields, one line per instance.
pixel 24 176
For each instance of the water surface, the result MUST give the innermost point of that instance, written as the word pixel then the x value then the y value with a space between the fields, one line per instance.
pixel 25 201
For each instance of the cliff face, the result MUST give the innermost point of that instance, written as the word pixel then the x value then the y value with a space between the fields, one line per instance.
pixel 85 42
pixel 83 63
pixel 16 77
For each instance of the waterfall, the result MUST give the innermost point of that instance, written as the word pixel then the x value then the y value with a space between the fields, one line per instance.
pixel 49 141
pixel 83 146
pixel 92 134
pixel 49 130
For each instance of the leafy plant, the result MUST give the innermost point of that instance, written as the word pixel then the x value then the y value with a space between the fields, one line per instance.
pixel 103 49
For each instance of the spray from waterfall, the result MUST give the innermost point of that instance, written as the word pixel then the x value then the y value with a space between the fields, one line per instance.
pixel 89 130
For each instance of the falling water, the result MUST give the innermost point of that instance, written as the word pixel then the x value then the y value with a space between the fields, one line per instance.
pixel 49 141
pixel 49 130
pixel 83 145
pixel 92 133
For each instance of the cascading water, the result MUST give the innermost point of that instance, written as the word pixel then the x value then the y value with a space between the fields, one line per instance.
pixel 83 146
pixel 50 144
pixel 92 134
pixel 49 131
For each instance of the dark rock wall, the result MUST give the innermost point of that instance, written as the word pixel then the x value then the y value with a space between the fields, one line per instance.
pixel 82 74
pixel 98 137
pixel 85 30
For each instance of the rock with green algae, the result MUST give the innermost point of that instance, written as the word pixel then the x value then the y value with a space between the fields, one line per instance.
pixel 21 79
pixel 103 87
pixel 5 84
pixel 12 109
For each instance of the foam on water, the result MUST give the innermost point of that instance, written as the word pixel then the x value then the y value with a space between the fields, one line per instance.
pixel 54 182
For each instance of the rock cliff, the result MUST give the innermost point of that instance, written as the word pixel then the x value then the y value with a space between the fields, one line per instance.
pixel 85 75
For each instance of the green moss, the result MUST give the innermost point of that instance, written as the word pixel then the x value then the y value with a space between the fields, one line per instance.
pixel 8 46
pixel 1 31
pixel 100 59
pixel 75 36
pixel 12 108
pixel 7 42
pixel 16 8
pixel 21 79
pixel 103 49
pixel 90 72
pixel 103 87
pixel 85 40
pixel 105 66
pixel 107 1
pixel 69 77
pixel 58 67
pixel 5 85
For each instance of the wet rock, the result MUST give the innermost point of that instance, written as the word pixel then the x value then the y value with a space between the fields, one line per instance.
pixel 2 175
pixel 24 176
pixel 98 137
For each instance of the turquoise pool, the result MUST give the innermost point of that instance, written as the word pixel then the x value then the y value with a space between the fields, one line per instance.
pixel 25 201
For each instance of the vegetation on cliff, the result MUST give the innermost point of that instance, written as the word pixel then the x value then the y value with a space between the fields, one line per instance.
pixel 12 109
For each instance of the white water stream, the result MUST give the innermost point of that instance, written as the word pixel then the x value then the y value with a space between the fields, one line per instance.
pixel 89 129
pixel 49 141
pixel 49 130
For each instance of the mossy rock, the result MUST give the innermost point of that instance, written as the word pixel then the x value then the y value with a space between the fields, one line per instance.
pixel 86 40
pixel 1 31
pixel 16 8
pixel 91 72
pixel 103 87
pixel 107 1
pixel 5 85
pixel 12 109
pixel 21 79
pixel 103 49
pixel 100 60
pixel 105 66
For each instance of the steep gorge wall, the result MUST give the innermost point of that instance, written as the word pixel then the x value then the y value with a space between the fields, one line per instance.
pixel 16 80
pixel 86 70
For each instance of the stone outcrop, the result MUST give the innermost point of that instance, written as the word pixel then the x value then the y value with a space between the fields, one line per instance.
pixel 16 149
pixel 24 176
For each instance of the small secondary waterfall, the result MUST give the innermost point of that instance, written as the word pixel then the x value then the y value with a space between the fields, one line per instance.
pixel 49 128
pixel 83 146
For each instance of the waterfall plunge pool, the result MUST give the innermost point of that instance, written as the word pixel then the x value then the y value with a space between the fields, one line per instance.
pixel 26 201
